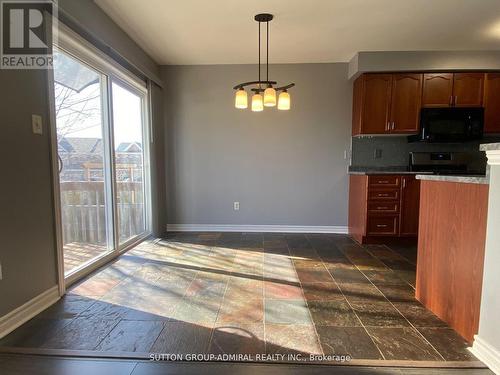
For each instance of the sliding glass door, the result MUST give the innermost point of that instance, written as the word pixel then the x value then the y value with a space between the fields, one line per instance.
pixel 101 126
pixel 84 169
pixel 128 131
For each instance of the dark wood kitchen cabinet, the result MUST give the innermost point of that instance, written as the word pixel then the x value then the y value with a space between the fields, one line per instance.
pixel 468 89
pixel 386 103
pixel 375 92
pixel 406 100
pixel 451 241
pixel 382 206
pixel 453 90
pixel 438 90
pixel 390 103
pixel 410 197
pixel 492 103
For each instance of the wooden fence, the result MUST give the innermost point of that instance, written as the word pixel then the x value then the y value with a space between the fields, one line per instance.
pixel 84 211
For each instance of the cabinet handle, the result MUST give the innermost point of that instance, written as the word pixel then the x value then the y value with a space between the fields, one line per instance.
pixel 382 208
pixel 393 125
pixel 387 126
pixel 383 182
pixel 404 183
pixel 381 225
pixel 451 101
pixel 383 195
pixel 456 99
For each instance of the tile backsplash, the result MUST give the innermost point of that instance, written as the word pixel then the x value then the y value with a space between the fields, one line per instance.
pixel 389 151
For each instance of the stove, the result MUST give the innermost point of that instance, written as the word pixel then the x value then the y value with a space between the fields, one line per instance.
pixel 449 163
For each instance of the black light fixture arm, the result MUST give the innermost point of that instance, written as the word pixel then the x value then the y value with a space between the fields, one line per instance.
pixel 242 85
pixel 278 89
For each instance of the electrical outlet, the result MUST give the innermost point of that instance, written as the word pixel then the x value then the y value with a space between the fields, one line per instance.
pixel 236 206
pixel 36 124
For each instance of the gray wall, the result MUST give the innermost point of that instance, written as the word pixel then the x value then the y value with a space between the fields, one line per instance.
pixel 27 253
pixel 392 61
pixel 28 250
pixel 285 168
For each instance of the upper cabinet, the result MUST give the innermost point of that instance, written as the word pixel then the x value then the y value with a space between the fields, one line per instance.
pixel 438 90
pixel 468 89
pixel 492 103
pixel 390 103
pixel 386 103
pixel 406 101
pixel 453 89
pixel 376 102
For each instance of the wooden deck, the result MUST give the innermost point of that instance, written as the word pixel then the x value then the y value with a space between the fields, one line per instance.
pixel 76 254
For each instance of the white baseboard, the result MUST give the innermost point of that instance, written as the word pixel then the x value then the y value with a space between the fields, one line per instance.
pixel 256 228
pixel 22 314
pixel 489 355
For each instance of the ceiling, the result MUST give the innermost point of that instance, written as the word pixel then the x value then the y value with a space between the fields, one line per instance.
pixel 224 32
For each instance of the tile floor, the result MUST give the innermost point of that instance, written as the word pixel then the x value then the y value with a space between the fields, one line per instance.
pixel 249 293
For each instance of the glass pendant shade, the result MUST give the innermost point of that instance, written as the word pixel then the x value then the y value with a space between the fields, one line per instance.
pixel 284 101
pixel 269 97
pixel 241 99
pixel 257 103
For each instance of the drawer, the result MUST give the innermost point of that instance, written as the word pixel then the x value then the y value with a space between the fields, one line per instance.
pixel 383 207
pixel 384 180
pixel 383 194
pixel 382 225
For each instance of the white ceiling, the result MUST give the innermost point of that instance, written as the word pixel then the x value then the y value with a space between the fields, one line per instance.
pixel 224 32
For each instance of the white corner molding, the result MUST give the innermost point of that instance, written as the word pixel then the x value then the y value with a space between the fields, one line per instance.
pixel 487 354
pixel 22 314
pixel 493 157
pixel 256 228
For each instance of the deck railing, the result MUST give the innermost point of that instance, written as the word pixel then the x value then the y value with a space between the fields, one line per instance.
pixel 83 206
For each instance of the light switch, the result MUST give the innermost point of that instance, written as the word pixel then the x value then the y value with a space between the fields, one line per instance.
pixel 36 124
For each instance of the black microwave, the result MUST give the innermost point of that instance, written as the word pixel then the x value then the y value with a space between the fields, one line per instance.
pixel 451 124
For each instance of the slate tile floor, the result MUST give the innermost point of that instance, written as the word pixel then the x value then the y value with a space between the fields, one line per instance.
pixel 249 293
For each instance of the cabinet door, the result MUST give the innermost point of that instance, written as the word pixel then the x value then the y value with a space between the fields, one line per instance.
pixel 357 105
pixel 492 103
pixel 405 103
pixel 438 90
pixel 468 89
pixel 376 102
pixel 410 196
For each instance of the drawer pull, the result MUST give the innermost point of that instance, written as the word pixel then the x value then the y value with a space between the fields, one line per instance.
pixel 381 225
pixel 383 182
pixel 383 195
pixel 382 208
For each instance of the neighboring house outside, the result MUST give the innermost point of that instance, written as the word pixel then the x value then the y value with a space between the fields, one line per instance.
pixel 81 159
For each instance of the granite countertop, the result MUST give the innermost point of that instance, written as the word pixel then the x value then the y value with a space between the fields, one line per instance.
pixel 489 146
pixel 479 179
pixel 382 170
pixel 368 171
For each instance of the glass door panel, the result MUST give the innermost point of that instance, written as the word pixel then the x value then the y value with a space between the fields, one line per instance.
pixel 83 167
pixel 128 116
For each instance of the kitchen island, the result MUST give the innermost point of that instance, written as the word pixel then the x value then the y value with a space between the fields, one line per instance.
pixel 452 233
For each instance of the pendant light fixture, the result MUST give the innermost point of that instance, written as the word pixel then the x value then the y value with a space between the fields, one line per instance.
pixel 264 91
